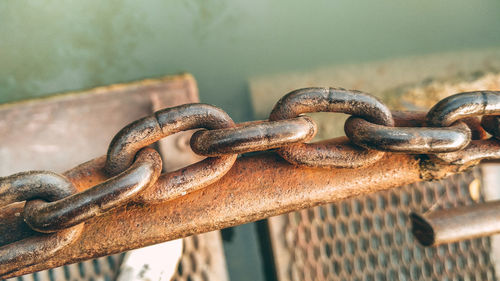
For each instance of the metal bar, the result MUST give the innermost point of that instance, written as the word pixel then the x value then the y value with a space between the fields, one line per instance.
pixel 233 200
pixel 456 224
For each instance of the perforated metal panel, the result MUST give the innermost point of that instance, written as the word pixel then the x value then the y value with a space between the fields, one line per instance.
pixel 101 269
pixel 369 238
pixel 202 259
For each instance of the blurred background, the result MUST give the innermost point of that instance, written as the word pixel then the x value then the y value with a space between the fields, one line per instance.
pixel 234 49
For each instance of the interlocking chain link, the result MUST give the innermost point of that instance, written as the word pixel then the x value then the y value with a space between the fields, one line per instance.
pixel 335 153
pixel 451 132
pixel 460 106
pixel 163 123
pixel 49 217
pixel 35 185
pixel 253 136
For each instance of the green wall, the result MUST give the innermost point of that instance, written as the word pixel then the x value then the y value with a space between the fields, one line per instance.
pixel 50 46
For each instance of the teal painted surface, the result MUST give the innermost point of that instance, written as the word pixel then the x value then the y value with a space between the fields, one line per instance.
pixel 50 46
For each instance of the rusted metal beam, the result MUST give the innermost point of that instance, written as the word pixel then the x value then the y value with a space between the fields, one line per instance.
pixel 447 226
pixel 257 187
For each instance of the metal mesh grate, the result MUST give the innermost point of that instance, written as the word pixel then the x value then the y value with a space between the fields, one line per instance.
pixel 101 269
pixel 202 259
pixel 369 238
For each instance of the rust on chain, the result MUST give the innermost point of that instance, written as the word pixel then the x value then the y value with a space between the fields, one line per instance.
pixel 463 105
pixel 338 154
pixel 186 180
pixel 476 151
pixel 69 211
pixel 31 248
pixel 53 216
pixel 44 185
pixel 491 124
pixel 253 136
pixel 163 123
pixel 352 102
pixel 231 201
pixel 416 140
pixel 446 226
pixel 217 193
pixel 419 119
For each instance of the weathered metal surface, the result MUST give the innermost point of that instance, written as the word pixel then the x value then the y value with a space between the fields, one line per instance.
pixel 45 185
pixel 49 217
pixel 185 180
pixel 253 136
pixel 463 105
pixel 415 85
pixel 447 225
pixel 66 130
pixel 369 238
pixel 335 153
pixel 231 201
pixel 477 150
pixel 33 186
pixel 61 131
pixel 188 180
pixel 338 152
pixel 203 255
pixel 36 248
pixel 332 100
pixel 419 140
pixel 161 124
pixel 164 123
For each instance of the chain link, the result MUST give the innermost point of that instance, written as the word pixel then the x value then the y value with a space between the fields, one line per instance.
pixel 30 186
pixel 463 105
pixel 44 185
pixel 253 136
pixel 49 217
pixel 335 153
pixel 161 124
pixel 451 131
pixel 416 140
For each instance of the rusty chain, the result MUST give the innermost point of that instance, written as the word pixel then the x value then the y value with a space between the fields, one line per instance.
pixel 35 185
pixel 451 132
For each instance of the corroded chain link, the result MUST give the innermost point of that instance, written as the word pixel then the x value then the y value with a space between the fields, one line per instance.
pixel 335 153
pixel 35 185
pixel 451 132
